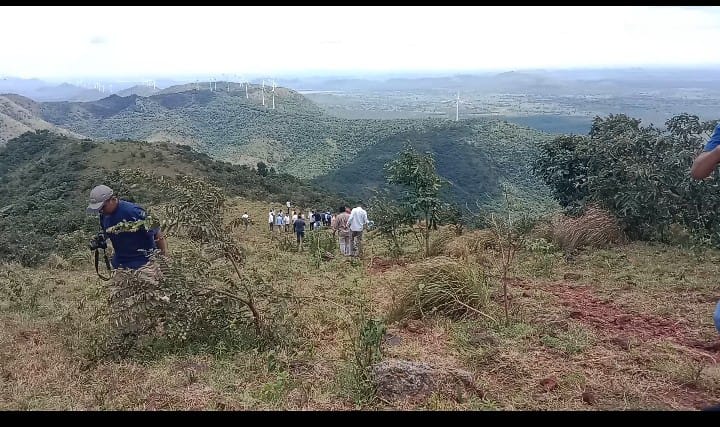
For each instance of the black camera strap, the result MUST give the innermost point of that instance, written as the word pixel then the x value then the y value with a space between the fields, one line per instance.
pixel 107 264
pixel 105 257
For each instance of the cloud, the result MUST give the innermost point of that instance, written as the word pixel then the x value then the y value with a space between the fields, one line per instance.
pixel 271 40
pixel 98 40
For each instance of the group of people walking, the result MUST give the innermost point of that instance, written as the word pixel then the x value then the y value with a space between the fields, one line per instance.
pixel 346 224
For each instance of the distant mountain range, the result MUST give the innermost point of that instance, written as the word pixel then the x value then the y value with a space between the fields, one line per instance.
pixel 43 91
pixel 557 82
pixel 39 90
pixel 476 156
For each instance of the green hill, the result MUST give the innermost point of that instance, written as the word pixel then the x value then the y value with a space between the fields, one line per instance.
pixel 295 137
pixel 477 158
pixel 45 179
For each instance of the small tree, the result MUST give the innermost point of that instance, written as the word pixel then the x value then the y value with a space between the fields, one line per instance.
pixel 262 169
pixel 510 233
pixel 417 174
pixel 196 210
pixel 392 221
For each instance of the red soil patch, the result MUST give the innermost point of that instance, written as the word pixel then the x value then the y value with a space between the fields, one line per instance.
pixel 381 265
pixel 614 321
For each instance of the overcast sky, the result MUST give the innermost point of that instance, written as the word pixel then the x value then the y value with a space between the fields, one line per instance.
pixel 153 42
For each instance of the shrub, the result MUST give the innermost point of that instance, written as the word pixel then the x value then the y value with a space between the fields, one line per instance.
pixel 594 228
pixel 440 240
pixel 470 244
pixel 444 286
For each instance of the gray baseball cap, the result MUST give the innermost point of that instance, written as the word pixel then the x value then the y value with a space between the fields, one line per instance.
pixel 98 196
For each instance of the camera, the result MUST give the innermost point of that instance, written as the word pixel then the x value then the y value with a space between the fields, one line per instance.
pixel 98 241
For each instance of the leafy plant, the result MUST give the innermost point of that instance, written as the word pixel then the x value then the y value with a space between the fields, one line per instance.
pixel 510 236
pixel 320 243
pixel 197 211
pixel 638 173
pixel 366 346
pixel 417 174
pixel 392 221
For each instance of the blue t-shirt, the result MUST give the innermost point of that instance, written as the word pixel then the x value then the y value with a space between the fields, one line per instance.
pixel 132 249
pixel 714 140
pixel 299 225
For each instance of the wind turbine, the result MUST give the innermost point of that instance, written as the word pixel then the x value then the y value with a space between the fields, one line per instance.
pixel 243 81
pixel 263 92
pixel 273 92
pixel 457 105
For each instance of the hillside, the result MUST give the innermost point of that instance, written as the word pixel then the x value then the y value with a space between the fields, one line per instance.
pixel 45 179
pixel 140 90
pixel 624 328
pixel 19 115
pixel 299 139
pixel 476 157
pixel 295 137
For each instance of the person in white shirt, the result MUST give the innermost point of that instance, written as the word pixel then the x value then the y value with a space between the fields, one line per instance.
pixel 271 219
pixel 286 222
pixel 357 221
pixel 246 220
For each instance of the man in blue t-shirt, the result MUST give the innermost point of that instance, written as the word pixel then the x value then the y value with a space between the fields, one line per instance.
pixel 299 227
pixel 132 249
pixel 702 167
pixel 131 258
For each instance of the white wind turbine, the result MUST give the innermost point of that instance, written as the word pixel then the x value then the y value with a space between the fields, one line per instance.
pixel 457 101
pixel 263 92
pixel 273 94
pixel 243 81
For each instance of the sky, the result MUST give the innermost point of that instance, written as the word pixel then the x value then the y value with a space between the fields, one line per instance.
pixel 159 42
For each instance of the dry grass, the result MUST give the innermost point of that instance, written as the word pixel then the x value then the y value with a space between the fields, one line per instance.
pixel 595 228
pixel 557 333
pixel 443 286
pixel 439 239
pixel 471 245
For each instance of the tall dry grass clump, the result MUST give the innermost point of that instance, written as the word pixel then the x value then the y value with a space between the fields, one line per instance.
pixel 439 241
pixel 444 286
pixel 470 244
pixel 594 228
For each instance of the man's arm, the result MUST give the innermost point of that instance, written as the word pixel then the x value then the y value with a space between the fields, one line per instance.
pixel 705 163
